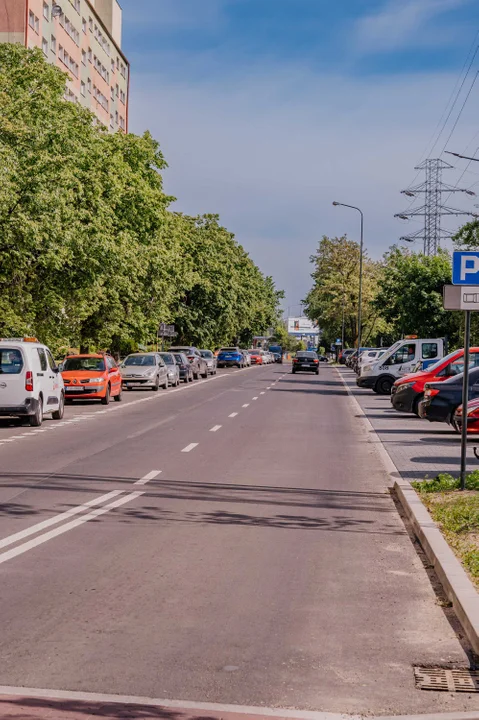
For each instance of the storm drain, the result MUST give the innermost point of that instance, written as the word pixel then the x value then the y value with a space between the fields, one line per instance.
pixel 446 679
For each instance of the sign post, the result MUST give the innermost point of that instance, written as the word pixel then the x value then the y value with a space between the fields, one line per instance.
pixel 463 294
pixel 166 331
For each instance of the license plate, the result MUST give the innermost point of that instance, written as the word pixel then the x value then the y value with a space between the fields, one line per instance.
pixel 74 389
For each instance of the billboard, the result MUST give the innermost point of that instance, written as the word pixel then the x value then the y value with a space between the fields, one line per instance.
pixel 301 326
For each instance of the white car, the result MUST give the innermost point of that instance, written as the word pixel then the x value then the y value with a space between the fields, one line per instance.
pixel 144 370
pixel 31 384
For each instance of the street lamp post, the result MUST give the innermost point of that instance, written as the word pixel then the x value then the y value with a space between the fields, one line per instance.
pixel 353 207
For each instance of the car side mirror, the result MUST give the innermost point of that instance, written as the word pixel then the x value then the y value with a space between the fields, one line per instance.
pixel 112 369
pixel 56 369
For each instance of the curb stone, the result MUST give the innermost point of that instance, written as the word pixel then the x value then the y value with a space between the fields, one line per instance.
pixel 454 579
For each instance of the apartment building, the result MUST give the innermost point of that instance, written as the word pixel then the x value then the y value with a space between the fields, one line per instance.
pixel 83 38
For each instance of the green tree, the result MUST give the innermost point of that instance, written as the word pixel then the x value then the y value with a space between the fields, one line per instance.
pixel 335 291
pixel 409 296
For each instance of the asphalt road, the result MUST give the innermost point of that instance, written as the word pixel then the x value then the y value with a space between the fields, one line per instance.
pixel 229 542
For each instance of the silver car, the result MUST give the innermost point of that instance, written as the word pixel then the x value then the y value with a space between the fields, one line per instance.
pixel 144 370
pixel 211 361
pixel 247 358
pixel 172 368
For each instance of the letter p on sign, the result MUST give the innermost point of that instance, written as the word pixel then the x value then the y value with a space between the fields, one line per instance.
pixel 465 268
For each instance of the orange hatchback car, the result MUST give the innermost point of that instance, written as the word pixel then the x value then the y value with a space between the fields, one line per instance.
pixel 91 377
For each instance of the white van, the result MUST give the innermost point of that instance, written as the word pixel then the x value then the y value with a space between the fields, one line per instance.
pixel 31 384
pixel 397 361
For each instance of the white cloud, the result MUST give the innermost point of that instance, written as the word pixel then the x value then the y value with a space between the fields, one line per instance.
pixel 271 152
pixel 400 23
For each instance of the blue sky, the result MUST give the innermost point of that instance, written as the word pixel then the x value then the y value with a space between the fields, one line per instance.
pixel 267 110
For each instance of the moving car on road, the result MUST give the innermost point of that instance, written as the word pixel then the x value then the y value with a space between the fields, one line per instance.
pixel 211 361
pixel 408 391
pixel 441 399
pixel 30 382
pixel 277 350
pixel 197 362
pixel 306 361
pixel 230 357
pixel 184 366
pixel 144 370
pixel 92 376
pixel 172 368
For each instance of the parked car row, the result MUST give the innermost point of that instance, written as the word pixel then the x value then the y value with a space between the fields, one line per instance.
pixel 434 390
pixel 32 384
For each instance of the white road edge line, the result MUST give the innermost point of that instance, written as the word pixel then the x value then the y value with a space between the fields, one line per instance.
pixel 25 547
pixel 149 476
pixel 215 428
pixel 24 692
pixel 190 447
pixel 22 534
pixel 233 415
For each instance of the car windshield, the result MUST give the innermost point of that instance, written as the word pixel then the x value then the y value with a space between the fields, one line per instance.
pixel 206 354
pixel 229 350
pixel 307 355
pixel 139 360
pixel 254 352
pixel 168 358
pixel 11 361
pixel 180 359
pixel 84 363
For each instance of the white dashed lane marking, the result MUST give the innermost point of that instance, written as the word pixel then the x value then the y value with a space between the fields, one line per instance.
pixel 190 447
pixel 233 415
pixel 246 405
pixel 215 428
pixel 149 476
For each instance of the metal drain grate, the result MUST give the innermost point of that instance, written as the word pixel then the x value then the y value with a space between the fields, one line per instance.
pixel 446 679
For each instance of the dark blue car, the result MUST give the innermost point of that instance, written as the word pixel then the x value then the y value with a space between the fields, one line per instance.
pixel 230 357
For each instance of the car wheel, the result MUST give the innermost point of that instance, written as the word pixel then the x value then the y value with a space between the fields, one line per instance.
pixel 118 397
pixel 156 386
pixel 106 400
pixel 186 380
pixel 166 384
pixel 128 388
pixel 196 376
pixel 317 372
pixel 37 419
pixel 205 374
pixel 58 414
pixel 384 386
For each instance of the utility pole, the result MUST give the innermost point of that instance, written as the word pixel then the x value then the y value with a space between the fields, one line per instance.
pixel 433 209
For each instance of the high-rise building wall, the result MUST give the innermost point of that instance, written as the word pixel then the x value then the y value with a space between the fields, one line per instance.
pixel 83 38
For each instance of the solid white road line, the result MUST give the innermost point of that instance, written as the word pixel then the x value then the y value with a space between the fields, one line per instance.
pixel 196 707
pixel 233 415
pixel 57 518
pixel 215 428
pixel 25 547
pixel 190 447
pixel 149 476
pixel 246 405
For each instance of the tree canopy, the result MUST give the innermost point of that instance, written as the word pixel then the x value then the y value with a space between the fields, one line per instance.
pixel 91 254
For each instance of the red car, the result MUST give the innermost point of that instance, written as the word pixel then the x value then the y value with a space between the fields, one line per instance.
pixel 408 391
pixel 472 417
pixel 256 357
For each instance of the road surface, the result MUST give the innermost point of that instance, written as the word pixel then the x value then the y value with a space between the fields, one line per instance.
pixel 231 542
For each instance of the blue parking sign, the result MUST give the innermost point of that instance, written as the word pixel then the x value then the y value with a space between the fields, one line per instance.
pixel 465 268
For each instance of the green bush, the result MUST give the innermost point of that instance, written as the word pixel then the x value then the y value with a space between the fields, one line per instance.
pixel 459 516
pixel 444 482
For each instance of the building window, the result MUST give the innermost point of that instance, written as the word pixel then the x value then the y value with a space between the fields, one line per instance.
pixel 45 47
pixel 122 122
pixel 112 92
pixel 123 70
pixel 46 11
pixel 88 82
pixel 37 25
pixel 117 63
pixel 83 57
pixel 83 88
pixel 122 97
pixel 83 25
pixel 53 44
pixel 60 52
pixel 116 117
pixel 90 24
pixel 31 20
pixel 77 6
pixel 112 124
pixel 117 91
pixel 89 55
pixel 113 66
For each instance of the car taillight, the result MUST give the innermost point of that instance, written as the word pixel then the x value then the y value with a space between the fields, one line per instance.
pixel 430 392
pixel 29 381
pixel 316 361
pixel 295 360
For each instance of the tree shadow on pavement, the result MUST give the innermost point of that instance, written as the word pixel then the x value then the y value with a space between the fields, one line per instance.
pixel 39 708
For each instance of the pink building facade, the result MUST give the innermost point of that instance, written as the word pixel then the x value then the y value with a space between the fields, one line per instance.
pixel 83 38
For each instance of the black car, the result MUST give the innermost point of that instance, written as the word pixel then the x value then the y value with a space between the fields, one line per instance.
pixel 306 361
pixel 186 369
pixel 441 399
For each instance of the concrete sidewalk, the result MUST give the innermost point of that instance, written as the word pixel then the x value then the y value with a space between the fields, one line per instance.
pixel 417 447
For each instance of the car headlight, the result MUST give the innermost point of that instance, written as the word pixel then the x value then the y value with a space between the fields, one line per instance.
pixel 96 381
pixel 403 386
pixel 151 372
pixel 366 368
